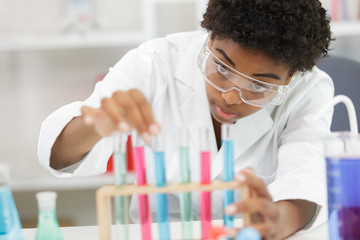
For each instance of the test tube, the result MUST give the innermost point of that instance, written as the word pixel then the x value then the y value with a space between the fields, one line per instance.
pixel 205 197
pixel 185 197
pixel 162 204
pixel 143 200
pixel 228 175
pixel 120 167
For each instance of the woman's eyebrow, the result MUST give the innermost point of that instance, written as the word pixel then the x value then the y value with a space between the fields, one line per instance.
pixel 226 57
pixel 269 75
pixel 232 63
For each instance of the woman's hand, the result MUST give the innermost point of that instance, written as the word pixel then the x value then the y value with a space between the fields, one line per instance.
pixel 122 111
pixel 273 220
pixel 259 203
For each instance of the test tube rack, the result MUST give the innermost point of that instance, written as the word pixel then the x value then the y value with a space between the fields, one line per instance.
pixel 105 193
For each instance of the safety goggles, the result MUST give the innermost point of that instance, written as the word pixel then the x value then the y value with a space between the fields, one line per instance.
pixel 225 79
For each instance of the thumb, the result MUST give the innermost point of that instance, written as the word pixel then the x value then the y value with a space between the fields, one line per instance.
pixel 88 115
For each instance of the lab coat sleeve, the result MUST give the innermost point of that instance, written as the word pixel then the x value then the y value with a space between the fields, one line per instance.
pixel 301 166
pixel 137 69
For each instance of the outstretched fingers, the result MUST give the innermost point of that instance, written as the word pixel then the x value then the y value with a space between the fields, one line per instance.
pixel 122 111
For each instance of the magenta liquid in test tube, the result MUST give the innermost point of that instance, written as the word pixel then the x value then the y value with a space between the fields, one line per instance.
pixel 143 201
pixel 205 197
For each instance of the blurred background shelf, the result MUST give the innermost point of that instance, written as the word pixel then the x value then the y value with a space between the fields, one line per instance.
pixel 346 28
pixel 91 40
pixel 110 23
pixel 121 39
pixel 48 182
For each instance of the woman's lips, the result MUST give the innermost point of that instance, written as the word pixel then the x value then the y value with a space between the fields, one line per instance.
pixel 222 113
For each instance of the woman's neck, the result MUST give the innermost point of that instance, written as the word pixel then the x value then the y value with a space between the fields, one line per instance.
pixel 217 130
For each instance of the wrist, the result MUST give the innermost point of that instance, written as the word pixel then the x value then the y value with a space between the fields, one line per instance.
pixel 294 215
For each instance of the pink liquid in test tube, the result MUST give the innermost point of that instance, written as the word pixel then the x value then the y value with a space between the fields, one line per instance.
pixel 205 197
pixel 143 201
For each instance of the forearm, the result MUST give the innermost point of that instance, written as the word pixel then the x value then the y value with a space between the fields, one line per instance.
pixel 294 215
pixel 74 142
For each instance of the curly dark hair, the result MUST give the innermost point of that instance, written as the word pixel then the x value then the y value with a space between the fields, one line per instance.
pixel 293 32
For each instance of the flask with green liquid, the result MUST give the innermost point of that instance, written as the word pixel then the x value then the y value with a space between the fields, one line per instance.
pixel 48 226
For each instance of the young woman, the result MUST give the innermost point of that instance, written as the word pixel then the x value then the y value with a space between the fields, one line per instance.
pixel 253 67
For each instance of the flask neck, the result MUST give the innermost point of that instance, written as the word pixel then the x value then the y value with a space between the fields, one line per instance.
pixel 47 215
pixel 46 201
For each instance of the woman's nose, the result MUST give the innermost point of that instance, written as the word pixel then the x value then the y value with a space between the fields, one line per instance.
pixel 232 97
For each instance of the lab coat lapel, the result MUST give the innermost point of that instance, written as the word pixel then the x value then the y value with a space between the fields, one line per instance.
pixel 247 130
pixel 195 113
pixel 194 107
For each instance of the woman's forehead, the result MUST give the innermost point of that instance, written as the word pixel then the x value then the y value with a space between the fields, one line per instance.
pixel 247 60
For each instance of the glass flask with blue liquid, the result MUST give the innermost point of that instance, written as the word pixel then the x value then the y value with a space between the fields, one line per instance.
pixel 343 183
pixel 10 225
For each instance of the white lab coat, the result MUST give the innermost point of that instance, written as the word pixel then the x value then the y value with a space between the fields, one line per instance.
pixel 280 143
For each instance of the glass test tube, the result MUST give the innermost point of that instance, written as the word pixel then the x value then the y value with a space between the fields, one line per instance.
pixel 228 175
pixel 120 169
pixel 143 200
pixel 205 197
pixel 161 198
pixel 185 197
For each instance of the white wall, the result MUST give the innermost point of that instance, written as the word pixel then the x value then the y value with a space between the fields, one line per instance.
pixel 34 83
pixel 347 47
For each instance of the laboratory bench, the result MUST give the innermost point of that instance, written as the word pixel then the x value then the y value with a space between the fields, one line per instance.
pixel 92 232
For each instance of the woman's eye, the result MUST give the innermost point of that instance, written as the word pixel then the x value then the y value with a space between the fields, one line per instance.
pixel 222 70
pixel 259 88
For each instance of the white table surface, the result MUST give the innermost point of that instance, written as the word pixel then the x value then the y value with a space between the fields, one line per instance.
pixel 92 232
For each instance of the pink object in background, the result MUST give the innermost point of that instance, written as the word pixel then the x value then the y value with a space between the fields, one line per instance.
pixel 335 5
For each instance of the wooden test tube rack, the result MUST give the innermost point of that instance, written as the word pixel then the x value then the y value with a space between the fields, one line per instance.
pixel 104 194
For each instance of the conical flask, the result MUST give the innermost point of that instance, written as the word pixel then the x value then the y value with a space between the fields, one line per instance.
pixel 48 226
pixel 10 226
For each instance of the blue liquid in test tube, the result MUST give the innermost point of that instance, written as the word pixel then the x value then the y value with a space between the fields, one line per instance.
pixel 228 175
pixel 162 205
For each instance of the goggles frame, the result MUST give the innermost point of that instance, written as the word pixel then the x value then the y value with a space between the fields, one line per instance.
pixel 282 91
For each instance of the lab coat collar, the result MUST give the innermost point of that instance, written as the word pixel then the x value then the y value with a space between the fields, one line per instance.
pixel 188 65
pixel 247 130
pixel 195 111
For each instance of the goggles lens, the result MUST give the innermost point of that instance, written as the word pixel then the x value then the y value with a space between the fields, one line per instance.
pixel 224 78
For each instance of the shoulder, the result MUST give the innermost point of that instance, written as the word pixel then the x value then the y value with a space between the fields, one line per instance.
pixel 311 90
pixel 314 84
pixel 175 41
pixel 165 51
